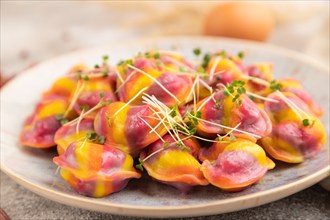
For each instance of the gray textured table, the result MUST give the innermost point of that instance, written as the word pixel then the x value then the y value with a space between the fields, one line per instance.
pixel 19 203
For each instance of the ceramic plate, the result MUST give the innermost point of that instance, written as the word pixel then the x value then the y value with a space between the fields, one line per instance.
pixel 34 169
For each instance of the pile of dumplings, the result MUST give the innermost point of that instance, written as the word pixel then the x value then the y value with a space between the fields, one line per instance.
pixel 213 120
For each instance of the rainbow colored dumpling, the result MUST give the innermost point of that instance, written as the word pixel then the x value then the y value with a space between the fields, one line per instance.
pixel 170 164
pixel 220 113
pixel 40 127
pixel 297 133
pixel 211 153
pixel 156 76
pixel 68 134
pixel 293 86
pixel 127 127
pixel 241 164
pixel 96 170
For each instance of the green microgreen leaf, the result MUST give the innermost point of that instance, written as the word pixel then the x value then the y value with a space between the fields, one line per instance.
pixel 241 54
pixel 197 51
pixel 305 122
pixel 182 69
pixel 206 60
pixel 223 54
pixel 105 59
pixel 275 85
pixel 105 72
pixel 140 165
pixel 156 55
pixel 84 107
pixel 232 137
pixel 108 120
pixel 101 139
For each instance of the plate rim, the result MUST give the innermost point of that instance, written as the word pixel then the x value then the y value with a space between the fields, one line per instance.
pixel 260 198
pixel 161 212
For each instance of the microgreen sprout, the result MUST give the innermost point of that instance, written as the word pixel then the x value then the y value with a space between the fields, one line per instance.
pixel 235 89
pixel 197 51
pixel 217 104
pixel 101 94
pixel 93 137
pixel 241 54
pixel 140 165
pixel 61 119
pixel 307 122
pixel 105 60
pixel 275 85
pixel 223 54
pixel 157 55
pixel 206 60
pixel 183 69
pixel 84 107
pixel 105 72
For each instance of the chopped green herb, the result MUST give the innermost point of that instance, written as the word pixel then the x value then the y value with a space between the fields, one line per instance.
pixel 96 66
pixel 101 94
pixel 86 78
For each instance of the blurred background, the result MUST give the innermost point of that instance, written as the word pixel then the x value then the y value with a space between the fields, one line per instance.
pixel 33 31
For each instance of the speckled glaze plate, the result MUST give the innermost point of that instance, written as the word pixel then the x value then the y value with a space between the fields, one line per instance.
pixel 34 169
